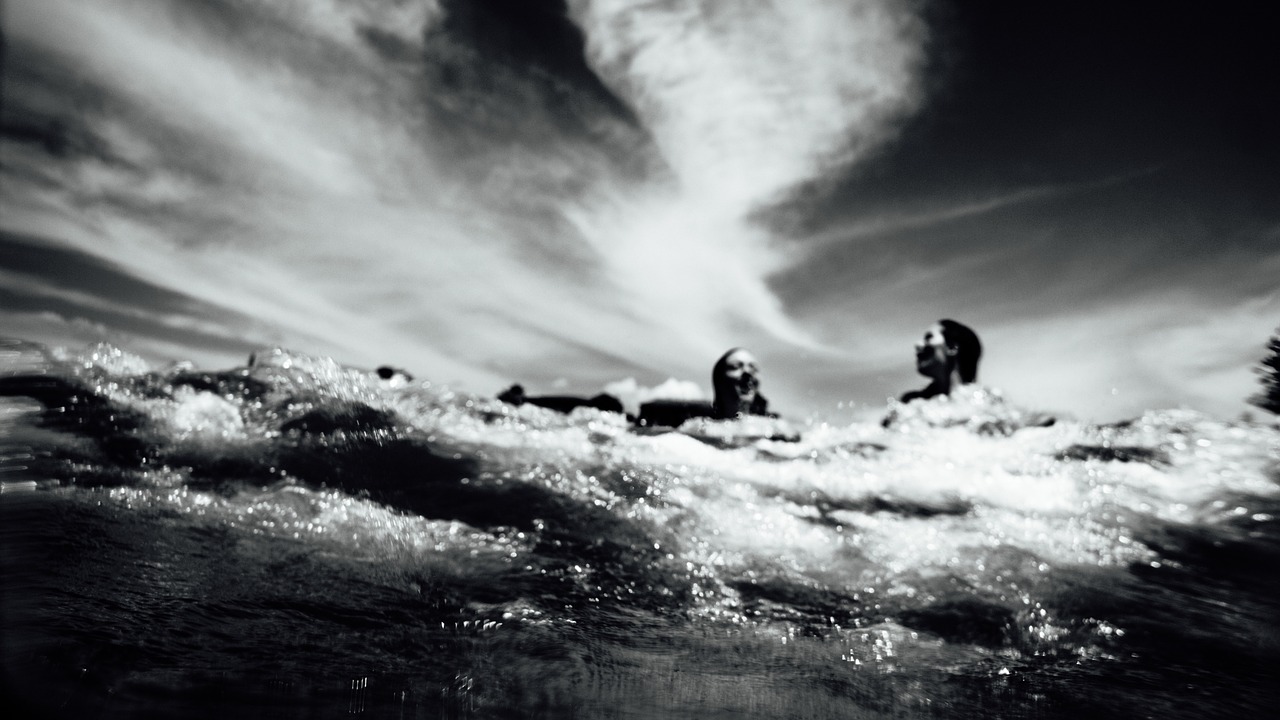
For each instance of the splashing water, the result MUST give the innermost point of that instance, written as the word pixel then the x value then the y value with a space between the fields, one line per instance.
pixel 306 535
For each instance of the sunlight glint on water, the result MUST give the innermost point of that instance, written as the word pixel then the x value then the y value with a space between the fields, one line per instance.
pixel 468 557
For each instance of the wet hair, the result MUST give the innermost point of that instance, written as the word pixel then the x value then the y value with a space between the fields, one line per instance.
pixel 968 348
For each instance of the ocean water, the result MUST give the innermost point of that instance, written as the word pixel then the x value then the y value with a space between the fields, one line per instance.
pixel 297 539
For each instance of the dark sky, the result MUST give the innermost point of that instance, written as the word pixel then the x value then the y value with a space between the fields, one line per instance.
pixel 569 194
pixel 1137 82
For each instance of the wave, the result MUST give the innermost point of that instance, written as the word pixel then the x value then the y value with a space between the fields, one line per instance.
pixel 963 524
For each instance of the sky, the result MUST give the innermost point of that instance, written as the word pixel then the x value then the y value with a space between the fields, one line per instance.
pixel 589 194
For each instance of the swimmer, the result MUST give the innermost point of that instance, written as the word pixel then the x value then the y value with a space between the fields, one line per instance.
pixel 515 395
pixel 395 377
pixel 948 356
pixel 739 414
pixel 736 381
pixel 735 378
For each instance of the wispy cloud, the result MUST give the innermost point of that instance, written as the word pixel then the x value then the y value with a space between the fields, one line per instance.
pixel 746 100
pixel 280 161
pixel 579 197
pixel 931 213
pixel 68 291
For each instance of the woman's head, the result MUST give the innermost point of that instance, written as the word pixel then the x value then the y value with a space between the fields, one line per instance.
pixel 736 382
pixel 948 347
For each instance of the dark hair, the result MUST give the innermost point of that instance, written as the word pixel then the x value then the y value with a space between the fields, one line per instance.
pixel 968 348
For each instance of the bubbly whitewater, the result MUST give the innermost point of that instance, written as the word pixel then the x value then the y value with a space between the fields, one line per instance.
pixel 300 539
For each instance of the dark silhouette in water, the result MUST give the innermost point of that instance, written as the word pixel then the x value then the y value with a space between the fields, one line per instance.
pixel 948 357
pixel 515 395
pixel 672 413
pixel 386 372
pixel 735 379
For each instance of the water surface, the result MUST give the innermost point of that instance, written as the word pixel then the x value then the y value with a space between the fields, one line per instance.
pixel 300 539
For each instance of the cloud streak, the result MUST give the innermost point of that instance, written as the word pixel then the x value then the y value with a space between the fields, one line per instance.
pixel 569 193
pixel 323 168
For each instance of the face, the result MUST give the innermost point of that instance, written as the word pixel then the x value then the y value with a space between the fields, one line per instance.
pixel 743 374
pixel 933 357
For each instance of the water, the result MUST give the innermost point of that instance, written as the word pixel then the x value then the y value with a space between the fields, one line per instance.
pixel 300 539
